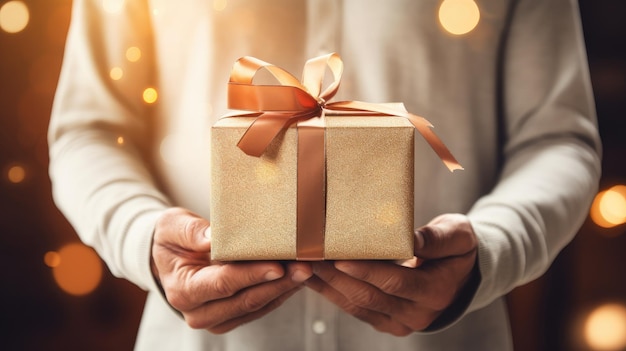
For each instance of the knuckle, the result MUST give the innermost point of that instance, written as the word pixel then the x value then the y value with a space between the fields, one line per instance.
pixel 250 303
pixel 401 331
pixel 177 300
pixel 218 330
pixel 364 297
pixel 393 285
pixel 195 322
pixel 193 224
pixel 391 327
pixel 420 322
pixel 221 287
pixel 170 215
pixel 358 313
pixel 468 239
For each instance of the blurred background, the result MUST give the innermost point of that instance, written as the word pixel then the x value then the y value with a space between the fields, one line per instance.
pixel 57 295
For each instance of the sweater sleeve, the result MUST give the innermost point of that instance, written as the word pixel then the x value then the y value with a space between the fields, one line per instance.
pixel 100 179
pixel 551 151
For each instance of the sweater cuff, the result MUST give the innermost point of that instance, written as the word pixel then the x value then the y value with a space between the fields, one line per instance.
pixel 139 250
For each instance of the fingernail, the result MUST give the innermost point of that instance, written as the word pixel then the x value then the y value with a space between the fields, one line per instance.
pixel 300 276
pixel 419 239
pixel 207 233
pixel 345 267
pixel 272 275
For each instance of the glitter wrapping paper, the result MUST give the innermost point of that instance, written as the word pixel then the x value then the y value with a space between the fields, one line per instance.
pixel 369 191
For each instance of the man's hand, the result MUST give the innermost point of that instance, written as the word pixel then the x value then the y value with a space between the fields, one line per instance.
pixel 398 299
pixel 213 295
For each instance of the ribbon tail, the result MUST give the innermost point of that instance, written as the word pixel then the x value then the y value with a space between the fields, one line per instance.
pixel 420 123
pixel 425 128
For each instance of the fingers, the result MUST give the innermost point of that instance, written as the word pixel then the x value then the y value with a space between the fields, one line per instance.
pixel 220 315
pixel 369 305
pixel 385 288
pixel 189 289
pixel 380 321
pixel 233 323
pixel 228 279
pixel 402 282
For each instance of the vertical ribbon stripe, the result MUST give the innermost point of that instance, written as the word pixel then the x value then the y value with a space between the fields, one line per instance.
pixel 311 203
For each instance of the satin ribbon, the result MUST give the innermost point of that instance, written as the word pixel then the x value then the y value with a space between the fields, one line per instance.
pixel 278 106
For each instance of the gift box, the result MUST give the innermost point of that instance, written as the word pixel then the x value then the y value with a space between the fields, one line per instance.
pixel 368 191
pixel 307 179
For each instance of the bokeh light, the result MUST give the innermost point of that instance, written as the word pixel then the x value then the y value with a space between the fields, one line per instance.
pixel 219 5
pixel 112 6
pixel 14 16
pixel 605 328
pixel 16 174
pixel 77 270
pixel 267 172
pixel 120 140
pixel 388 213
pixel 459 16
pixel 116 73
pixel 609 207
pixel 133 54
pixel 150 95
pixel 52 259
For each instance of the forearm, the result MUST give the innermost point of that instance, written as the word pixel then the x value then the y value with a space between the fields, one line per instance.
pixel 532 214
pixel 551 149
pixel 100 182
pixel 109 197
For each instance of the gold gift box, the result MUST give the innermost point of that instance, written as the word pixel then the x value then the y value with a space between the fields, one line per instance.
pixel 369 191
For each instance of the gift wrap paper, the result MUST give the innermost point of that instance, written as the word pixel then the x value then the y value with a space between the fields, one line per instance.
pixel 369 191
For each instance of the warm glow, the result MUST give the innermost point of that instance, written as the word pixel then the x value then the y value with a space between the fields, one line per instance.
pixel 116 73
pixel 16 174
pixel 605 328
pixel 78 269
pixel 52 259
pixel 388 213
pixel 266 172
pixel 459 16
pixel 150 95
pixel 219 5
pixel 158 6
pixel 596 215
pixel 609 207
pixel 14 16
pixel 120 140
pixel 133 54
pixel 613 205
pixel 112 6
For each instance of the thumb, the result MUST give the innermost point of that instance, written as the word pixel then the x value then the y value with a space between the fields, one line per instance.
pixel 181 228
pixel 445 236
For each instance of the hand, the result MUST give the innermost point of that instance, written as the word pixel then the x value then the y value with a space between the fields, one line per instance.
pixel 398 299
pixel 213 295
